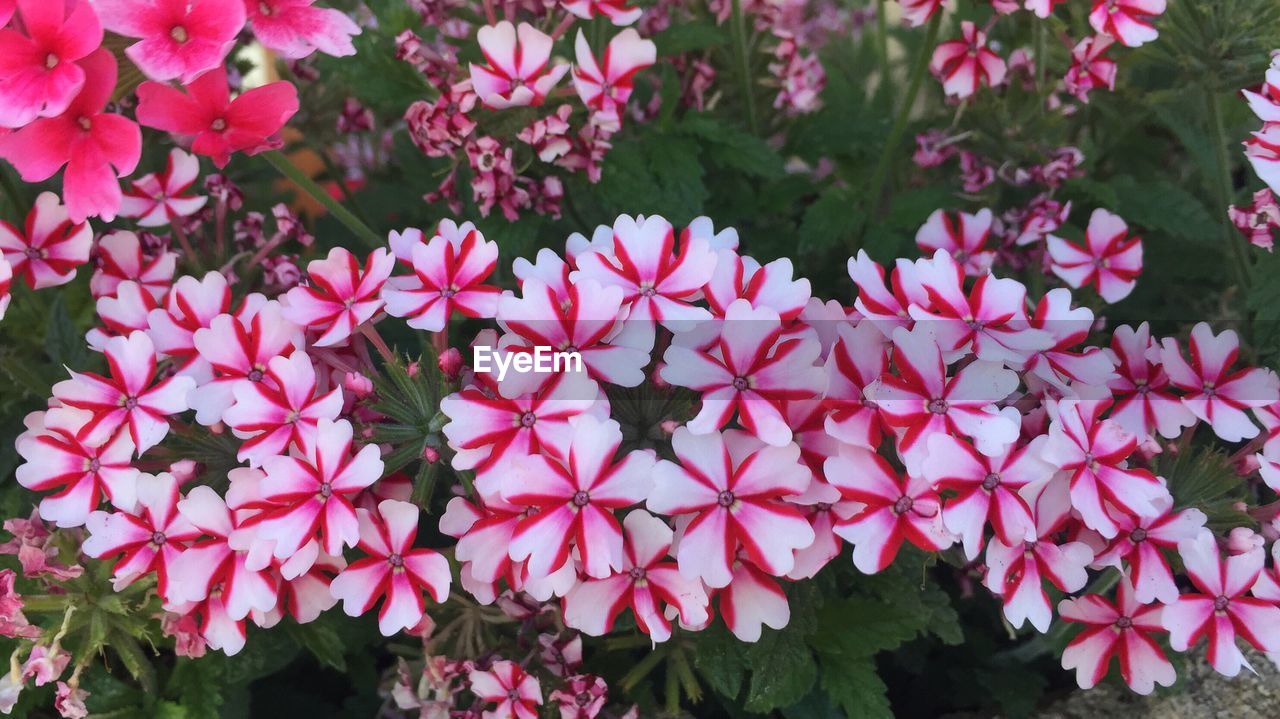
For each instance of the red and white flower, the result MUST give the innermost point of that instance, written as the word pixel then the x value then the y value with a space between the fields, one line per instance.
pixel 121 257
pixel 341 296
pixel 1090 68
pixel 886 306
pixel 6 278
pixel 1144 402
pixel 190 307
pixel 448 276
pixel 1140 541
pixel 515 693
pixel 281 409
pixel 606 86
pixel 1110 259
pixel 964 65
pixel 857 359
pixel 1121 629
pixel 1069 326
pixel 916 12
pixel 517 72
pixel 1128 21
pixel 1259 220
pixel 58 456
pixel 961 235
pixel 1216 394
pixel 238 349
pixel 1262 150
pixel 773 285
pixel 616 10
pixel 160 198
pixel 46 251
pixel 146 540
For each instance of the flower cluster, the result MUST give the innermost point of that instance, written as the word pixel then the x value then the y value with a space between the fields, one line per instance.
pixel 1258 221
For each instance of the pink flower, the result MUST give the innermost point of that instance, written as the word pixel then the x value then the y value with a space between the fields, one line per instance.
pixel 121 258
pixel 516 73
pixel 1121 629
pixel 515 693
pixel 6 277
pixel 58 456
pixel 605 86
pixel 895 509
pixel 741 277
pixel 238 349
pixel 1145 404
pixel 643 583
pixel 750 371
pixel 857 360
pixel 963 65
pixel 1042 216
pixel 963 236
pixel 1090 68
pixel 179 38
pixel 449 275
pixel 1109 259
pixel 39 76
pixel 127 397
pixel 975 172
pixel 1263 152
pixel 96 147
pixel 45 663
pixel 1215 394
pixel 47 249
pixel 295 28
pixel 1093 451
pixel 280 409
pixel 440 128
pixel 1139 542
pixel 160 198
pixel 582 696
pixel 393 569
pixel 576 501
pixel 1260 220
pixel 886 305
pixel 1266 104
pixel 731 485
pixel 917 12
pixel 341 296
pixel 800 76
pixel 146 540
pixel 1128 21
pixel 313 492
pixel 1220 611
pixel 190 307
pixel 1069 326
pixel 249 123
pixel 1043 8
pixel 68 701
pixel 616 10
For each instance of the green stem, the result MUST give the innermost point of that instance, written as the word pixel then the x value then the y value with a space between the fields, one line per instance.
pixel 290 171
pixel 744 65
pixel 1041 32
pixel 1223 187
pixel 51 603
pixel 899 128
pixel 882 41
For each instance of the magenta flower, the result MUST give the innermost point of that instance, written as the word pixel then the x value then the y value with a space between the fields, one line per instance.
pixel 46 251
pixel 393 569
pixel 1090 68
pixel 1121 629
pixel 515 693
pixel 280 408
pixel 1259 221
pixel 1110 260
pixel 127 398
pixel 1139 542
pixel 121 258
pixel 583 696
pixel 961 235
pixel 1216 394
pixel 146 540
pixel 1220 611
pixel 605 86
pixel 161 197
pixel 516 73
pixel 238 349
pixel 179 38
pixel 96 147
pixel 341 296
pixel 1128 21
pixel 448 276
pixel 731 484
pixel 643 583
pixel 966 64
pixel 220 125
pixel 59 456
pixel 1144 401
pixel 39 76
pixel 295 28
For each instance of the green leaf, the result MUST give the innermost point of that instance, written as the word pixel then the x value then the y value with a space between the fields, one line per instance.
pixel 198 684
pixel 1015 688
pixel 867 626
pixel 684 37
pixel 852 683
pixel 720 661
pixel 783 670
pixel 734 148
pixel 322 641
pixel 829 220
pixel 1204 479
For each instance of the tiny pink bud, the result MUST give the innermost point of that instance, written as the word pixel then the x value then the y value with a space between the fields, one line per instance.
pixel 669 426
pixel 357 384
pixel 1247 464
pixel 412 369
pixel 450 363
pixel 1243 540
pixel 184 470
pixel 430 455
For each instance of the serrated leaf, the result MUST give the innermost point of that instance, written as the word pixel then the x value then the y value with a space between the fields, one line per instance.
pixel 867 626
pixel 831 219
pixel 853 684
pixel 322 641
pixel 735 148
pixel 783 671
pixel 720 661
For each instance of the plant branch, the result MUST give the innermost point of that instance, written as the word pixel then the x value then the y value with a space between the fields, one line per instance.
pixel 285 167
pixel 1223 187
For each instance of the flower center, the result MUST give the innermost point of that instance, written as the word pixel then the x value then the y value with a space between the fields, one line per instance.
pixel 179 34
pixel 218 125
pixel 938 406
pixel 991 481
pixel 326 490
pixel 581 498
pixel 130 403
pixel 1220 603
pixel 740 383
pixel 158 538
pixel 50 61
pixel 528 419
pixel 448 292
pixel 94 465
pixel 1124 623
pixel 903 504
pixel 255 375
pixel 395 560
pixel 648 292
pixel 637 573
pixel 85 123
pixel 33 253
pixel 584 698
pixel 725 499
pixel 1138 535
pixel 264 9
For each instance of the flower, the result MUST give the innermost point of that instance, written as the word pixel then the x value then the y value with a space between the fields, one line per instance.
pixel 1215 394
pixel 616 10
pixel 68 701
pixel 1043 8
pixel 160 198
pixel 121 258
pixel 1220 611
pixel 1259 220
pixel 179 39
pixel 856 360
pixel 97 147
pixel 583 695
pixel 605 86
pixel 1128 21
pixel 962 235
pixel 59 456
pixel 127 398
pixel 516 73
pixel 449 274
pixel 1121 629
pixel 39 74
pixel 1090 68
pixel 643 582
pixel 295 28
pixel 238 349
pixel 341 297
pixel 6 278
pixel 146 540
pixel 1109 259
pixel 1140 540
pixel 576 500
pixel 279 409
pixel 46 251
pixel 730 484
pixel 917 12
pixel 1144 402
pixel 190 307
pixel 741 277
pixel 515 692
pixel 963 65
pixel 250 123
pixel 393 569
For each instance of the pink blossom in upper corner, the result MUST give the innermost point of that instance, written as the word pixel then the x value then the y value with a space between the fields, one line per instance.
pixel 146 540
pixel 1090 68
pixel 917 12
pixel 159 198
pixel 605 86
pixel 731 485
pixel 644 583
pixel 516 73
pixel 1110 260
pixel 1263 153
pixel 1258 221
pixel 393 570
pixel 39 74
pixel 7 9
pixel 46 251
pixel 617 11
pixel 178 39
pixel 341 295
pixel 250 123
pixel 60 456
pixel 1121 629
pixel 280 409
pixel 296 28
pixel 966 64
pixel 127 397
pixel 96 147
pixel 1219 609
pixel 121 258
pixel 515 693
pixel 962 235
pixel 1216 394
pixel 1128 21
pixel 448 276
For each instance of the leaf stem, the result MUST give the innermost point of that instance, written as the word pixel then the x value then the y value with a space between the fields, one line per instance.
pixel 739 27
pixel 1223 186
pixel 285 167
